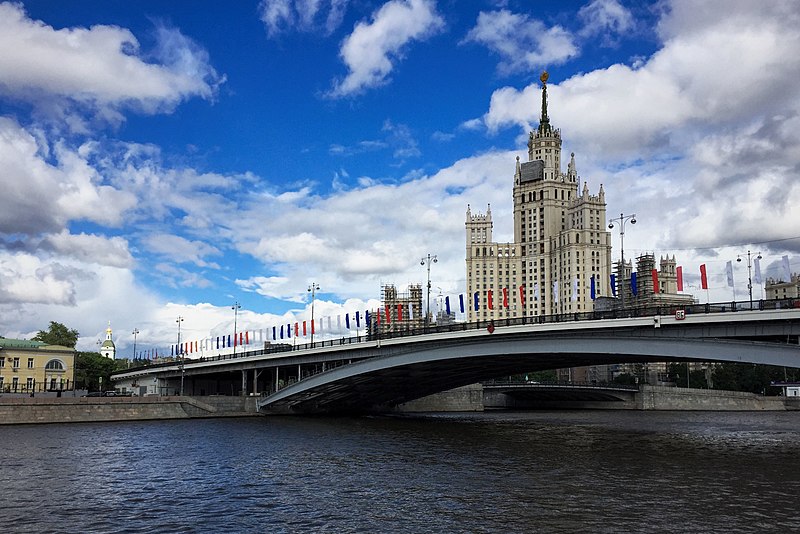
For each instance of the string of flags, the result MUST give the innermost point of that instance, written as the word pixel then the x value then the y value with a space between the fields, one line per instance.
pixel 400 312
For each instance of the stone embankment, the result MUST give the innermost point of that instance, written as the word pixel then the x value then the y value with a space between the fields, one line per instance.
pixel 25 410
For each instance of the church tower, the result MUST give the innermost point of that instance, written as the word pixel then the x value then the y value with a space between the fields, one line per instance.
pixel 108 349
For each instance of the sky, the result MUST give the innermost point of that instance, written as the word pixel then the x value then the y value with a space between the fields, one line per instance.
pixel 171 159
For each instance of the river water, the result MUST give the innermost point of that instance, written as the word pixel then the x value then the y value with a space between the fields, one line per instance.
pixel 490 472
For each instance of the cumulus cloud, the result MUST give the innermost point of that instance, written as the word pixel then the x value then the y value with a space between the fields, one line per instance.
pixel 370 52
pixel 703 131
pixel 181 250
pixel 607 18
pixel 281 16
pixel 87 248
pixel 523 43
pixel 101 69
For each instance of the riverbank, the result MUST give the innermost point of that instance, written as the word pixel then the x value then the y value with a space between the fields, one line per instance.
pixel 27 410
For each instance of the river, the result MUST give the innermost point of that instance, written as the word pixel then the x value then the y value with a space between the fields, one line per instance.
pixel 485 472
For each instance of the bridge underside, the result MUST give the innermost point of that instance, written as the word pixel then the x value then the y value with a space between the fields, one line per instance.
pixel 378 384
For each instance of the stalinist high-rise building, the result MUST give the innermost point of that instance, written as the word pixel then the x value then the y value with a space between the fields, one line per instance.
pixel 561 248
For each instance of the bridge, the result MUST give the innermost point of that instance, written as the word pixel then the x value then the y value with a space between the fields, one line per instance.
pixel 377 373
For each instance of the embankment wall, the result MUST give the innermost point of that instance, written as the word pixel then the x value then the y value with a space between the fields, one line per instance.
pixel 93 409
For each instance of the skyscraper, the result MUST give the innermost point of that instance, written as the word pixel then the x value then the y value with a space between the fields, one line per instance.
pixel 561 252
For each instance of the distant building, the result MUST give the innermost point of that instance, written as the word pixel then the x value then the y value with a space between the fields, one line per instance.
pixel 561 247
pixel 108 349
pixel 404 310
pixel 33 366
pixel 779 289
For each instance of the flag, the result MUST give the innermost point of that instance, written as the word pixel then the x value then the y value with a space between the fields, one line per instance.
pixel 446 305
pixel 346 321
pixel 614 285
pixel 475 298
pixel 574 289
pixel 297 329
pixel 305 331
pixel 246 337
pixel 555 292
pixel 505 297
pixel 461 302
pixel 489 301
pixel 358 320
pixel 410 310
pixel 399 312
pixel 656 287
pixel 787 272
pixel 172 350
pixel 592 288
pixel 274 333
pixel 377 317
pixel 313 331
pixel 388 315
pixel 679 275
pixel 235 340
pixel 536 291
pixel 757 265
pixel 703 277
pixel 729 273
pixel 522 295
pixel 634 289
pixel 366 317
pixel 281 331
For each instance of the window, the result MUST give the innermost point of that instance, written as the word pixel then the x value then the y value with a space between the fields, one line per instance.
pixel 29 384
pixel 2 362
pixel 30 363
pixel 15 363
pixel 54 365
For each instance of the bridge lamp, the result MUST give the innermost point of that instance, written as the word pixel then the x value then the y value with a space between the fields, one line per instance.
pixel 236 307
pixel 427 261
pixel 135 333
pixel 749 273
pixel 313 288
pixel 179 320
pixel 622 219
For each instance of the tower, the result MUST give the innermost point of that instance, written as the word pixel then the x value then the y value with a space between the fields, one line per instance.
pixel 108 349
pixel 561 255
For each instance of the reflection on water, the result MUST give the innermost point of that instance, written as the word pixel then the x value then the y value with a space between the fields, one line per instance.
pixel 516 472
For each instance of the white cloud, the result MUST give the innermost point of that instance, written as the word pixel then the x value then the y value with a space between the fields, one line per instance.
pixel 89 249
pixel 524 44
pixel 608 18
pixel 280 16
pixel 180 249
pixel 100 68
pixel 372 49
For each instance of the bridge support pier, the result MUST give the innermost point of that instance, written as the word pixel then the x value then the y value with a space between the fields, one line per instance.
pixel 276 379
pixel 244 382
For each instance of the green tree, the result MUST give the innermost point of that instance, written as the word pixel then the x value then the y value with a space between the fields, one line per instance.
pixel 58 334
pixel 90 367
pixel 626 379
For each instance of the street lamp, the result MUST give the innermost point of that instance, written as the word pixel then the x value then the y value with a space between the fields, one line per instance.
pixel 236 307
pixel 179 320
pixel 313 288
pixel 622 219
pixel 135 333
pixel 749 273
pixel 427 261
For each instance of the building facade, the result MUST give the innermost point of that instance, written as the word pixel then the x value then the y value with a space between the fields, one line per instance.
pixel 780 289
pixel 560 259
pixel 33 366
pixel 400 311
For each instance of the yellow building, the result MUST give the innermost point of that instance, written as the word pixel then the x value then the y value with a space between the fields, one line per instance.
pixel 33 366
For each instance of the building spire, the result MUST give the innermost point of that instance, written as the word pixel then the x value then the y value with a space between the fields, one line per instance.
pixel 544 120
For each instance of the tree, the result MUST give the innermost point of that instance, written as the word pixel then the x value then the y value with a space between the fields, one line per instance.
pixel 90 367
pixel 58 334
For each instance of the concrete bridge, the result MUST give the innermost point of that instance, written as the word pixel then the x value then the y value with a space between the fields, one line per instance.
pixel 359 374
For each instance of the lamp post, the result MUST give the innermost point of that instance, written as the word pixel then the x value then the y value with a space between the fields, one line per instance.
pixel 427 260
pixel 179 320
pixel 236 307
pixel 622 219
pixel 749 273
pixel 313 288
pixel 135 333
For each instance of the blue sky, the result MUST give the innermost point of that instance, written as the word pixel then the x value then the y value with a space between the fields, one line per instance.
pixel 171 158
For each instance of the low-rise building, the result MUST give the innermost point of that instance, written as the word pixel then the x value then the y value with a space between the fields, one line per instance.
pixel 33 366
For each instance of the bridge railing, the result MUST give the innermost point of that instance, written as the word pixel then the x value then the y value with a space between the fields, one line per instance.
pixel 627 312
pixel 558 383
